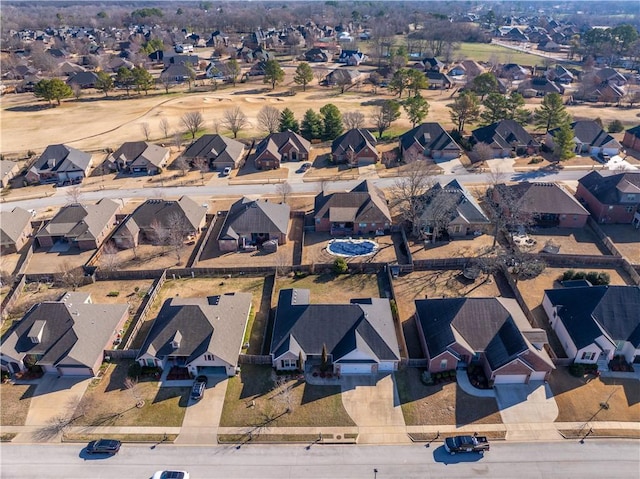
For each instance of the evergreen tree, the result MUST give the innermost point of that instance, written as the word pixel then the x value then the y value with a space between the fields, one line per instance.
pixel 484 84
pixel 104 82
pixel 54 89
pixel 496 107
pixel 332 121
pixel 303 75
pixel 124 78
pixel 465 109
pixel 142 79
pixel 288 121
pixel 551 113
pixel 273 73
pixel 563 142
pixel 417 109
pixel 311 127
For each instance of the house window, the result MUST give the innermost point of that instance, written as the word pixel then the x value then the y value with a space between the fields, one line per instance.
pixel 289 363
pixel 457 229
pixel 208 357
pixel 151 362
pixel 588 356
pixel 318 221
pixel 443 364
pixel 629 209
pixel 362 225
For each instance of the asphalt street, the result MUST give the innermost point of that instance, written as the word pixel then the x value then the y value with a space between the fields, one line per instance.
pixel 569 459
pixel 217 188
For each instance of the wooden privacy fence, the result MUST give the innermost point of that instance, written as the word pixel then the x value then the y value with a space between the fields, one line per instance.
pixel 254 359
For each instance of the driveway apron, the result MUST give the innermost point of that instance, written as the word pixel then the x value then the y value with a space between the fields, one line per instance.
pixel 201 421
pixel 528 411
pixel 373 404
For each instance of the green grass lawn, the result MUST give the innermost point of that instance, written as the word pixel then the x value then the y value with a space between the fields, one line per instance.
pixel 482 52
pixel 252 401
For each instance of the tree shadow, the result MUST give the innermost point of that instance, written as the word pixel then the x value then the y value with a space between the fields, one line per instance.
pixel 31 108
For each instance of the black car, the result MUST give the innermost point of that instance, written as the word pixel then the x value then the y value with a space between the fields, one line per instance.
pixel 104 446
pixel 197 391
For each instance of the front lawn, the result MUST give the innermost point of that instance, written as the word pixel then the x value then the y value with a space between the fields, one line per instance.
pixel 108 402
pixel 15 400
pixel 252 401
pixel 441 404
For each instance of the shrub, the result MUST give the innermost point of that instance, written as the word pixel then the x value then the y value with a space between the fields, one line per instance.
pixel 113 294
pixel 597 278
pixel 577 370
pixel 534 160
pixel 340 266
pixel 568 275
pixel 394 308
pixel 615 126
pixel 135 370
pixel 426 378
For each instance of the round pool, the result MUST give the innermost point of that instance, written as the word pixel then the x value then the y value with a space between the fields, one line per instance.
pixel 352 247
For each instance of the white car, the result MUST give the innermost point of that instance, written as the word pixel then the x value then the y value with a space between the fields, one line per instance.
pixel 171 475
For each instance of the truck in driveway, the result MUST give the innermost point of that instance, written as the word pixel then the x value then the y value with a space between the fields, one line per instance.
pixel 466 444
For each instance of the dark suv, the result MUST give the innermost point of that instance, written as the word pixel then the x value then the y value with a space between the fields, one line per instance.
pixel 197 391
pixel 104 446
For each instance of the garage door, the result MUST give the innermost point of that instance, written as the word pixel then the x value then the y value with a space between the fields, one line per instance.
pixel 537 376
pixel 75 371
pixel 510 379
pixel 355 368
pixel 212 370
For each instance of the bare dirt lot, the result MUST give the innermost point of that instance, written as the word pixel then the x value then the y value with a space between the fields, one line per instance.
pixel 148 256
pixel 570 240
pixel 434 284
pixel 627 240
pixel 94 122
pixel 315 250
pixel 45 261
pixel 467 247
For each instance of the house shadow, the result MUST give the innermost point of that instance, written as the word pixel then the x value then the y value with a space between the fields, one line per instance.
pixel 118 375
pixel 410 332
pixel 442 456
pixel 630 386
pixel 166 393
pixel 256 380
pixel 324 278
pixel 482 408
pixel 533 175
pixel 314 393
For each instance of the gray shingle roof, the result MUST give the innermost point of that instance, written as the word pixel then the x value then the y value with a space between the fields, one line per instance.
pixel 139 153
pixel 588 311
pixel 589 132
pixel 80 221
pixel 608 188
pixel 75 332
pixel 364 203
pixel 6 167
pixel 248 216
pixel 353 140
pixel 365 324
pixel 430 136
pixel 504 134
pixel 463 205
pixel 13 224
pixel 543 198
pixel 215 324
pixel 216 147
pixel 59 158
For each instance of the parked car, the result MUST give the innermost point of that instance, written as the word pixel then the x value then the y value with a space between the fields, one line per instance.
pixel 466 444
pixel 104 446
pixel 171 475
pixel 226 171
pixel 197 391
pixel 304 167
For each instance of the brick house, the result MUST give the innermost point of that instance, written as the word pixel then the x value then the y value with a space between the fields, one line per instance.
pixel 279 147
pixel 610 198
pixel 15 229
pixel 632 138
pixel 356 147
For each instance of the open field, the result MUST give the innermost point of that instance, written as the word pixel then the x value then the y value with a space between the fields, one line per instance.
pixel 108 402
pixel 442 403
pixel 15 400
pixel 484 52
pixel 581 400
pixel 28 124
pixel 252 401
pixel 328 288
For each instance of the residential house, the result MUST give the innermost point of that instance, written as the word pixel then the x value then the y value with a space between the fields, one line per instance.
pixel 219 152
pixel 356 147
pixel 469 68
pixel 351 57
pixel 361 211
pixel 539 86
pixel 513 71
pixel 343 76
pixel 605 92
pixel 546 204
pixel 317 55
pixel 560 74
pixel 453 209
pixel 279 147
pixel 203 335
pixel 354 338
pixel 589 138
pixel 68 69
pixel 515 35
pixel 428 140
pixel 257 69
pixel 611 198
pixel 491 332
pixel 188 60
pixel 596 323
pixel 438 80
pixel 15 230
pixel 85 79
pixel 177 74
pixel 250 223
pixel 632 138
pixel 67 337
pixel 84 226
pixel 8 170
pixel 149 222
pixel 432 64
pixel 60 164
pixel 611 76
pixel 506 138
pixel 139 157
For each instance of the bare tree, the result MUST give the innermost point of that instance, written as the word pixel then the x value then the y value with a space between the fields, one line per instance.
pixel 181 164
pixel 193 122
pixel 109 259
pixel 131 384
pixel 481 152
pixel 283 395
pixel 234 120
pixel 282 261
pixel 77 91
pixel 165 127
pixel 177 141
pixel 507 208
pixel 178 229
pixel 74 195
pixel 202 165
pixel 408 191
pixel 439 210
pixel 284 190
pixel 146 130
pixel 353 120
pixel 269 119
pixel 158 234
pixel 70 276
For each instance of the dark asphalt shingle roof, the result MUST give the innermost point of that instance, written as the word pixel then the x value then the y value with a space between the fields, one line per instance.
pixel 635 131
pixel 589 132
pixel 504 134
pixel 13 224
pixel 353 140
pixel 140 153
pixel 463 206
pixel 430 136
pixel 59 158
pixel 248 216
pixel 276 141
pixel 364 324
pixel 608 189
pixel 543 198
pixel 80 222
pixel 588 311
pixel 364 203
pixel 216 147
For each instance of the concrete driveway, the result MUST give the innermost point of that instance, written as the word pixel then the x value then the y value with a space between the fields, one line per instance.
pixel 373 404
pixel 528 410
pixel 201 421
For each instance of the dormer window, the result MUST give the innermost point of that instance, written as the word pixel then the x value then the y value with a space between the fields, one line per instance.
pixel 35 333
pixel 175 341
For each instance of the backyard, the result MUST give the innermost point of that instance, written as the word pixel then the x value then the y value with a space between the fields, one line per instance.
pixel 335 289
pixel 441 404
pixel 252 401
pixel 315 250
pixel 108 402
